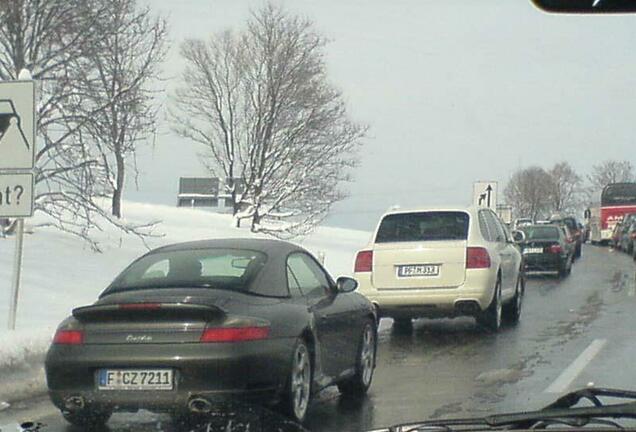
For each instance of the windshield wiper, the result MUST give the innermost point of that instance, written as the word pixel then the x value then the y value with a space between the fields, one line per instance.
pixel 563 412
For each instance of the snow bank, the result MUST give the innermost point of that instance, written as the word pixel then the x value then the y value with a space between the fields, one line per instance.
pixel 60 272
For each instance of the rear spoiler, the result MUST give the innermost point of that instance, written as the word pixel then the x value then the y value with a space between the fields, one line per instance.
pixel 147 310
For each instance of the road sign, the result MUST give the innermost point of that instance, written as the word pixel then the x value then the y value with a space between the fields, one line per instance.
pixel 17 159
pixel 485 194
pixel 17 125
pixel 16 194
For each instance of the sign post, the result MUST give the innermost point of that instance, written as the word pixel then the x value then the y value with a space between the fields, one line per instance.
pixel 17 270
pixel 485 194
pixel 17 159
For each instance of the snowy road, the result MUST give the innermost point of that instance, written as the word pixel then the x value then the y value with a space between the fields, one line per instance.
pixel 573 332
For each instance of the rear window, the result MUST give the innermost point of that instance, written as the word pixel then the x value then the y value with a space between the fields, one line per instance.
pixel 423 226
pixel 202 268
pixel 571 223
pixel 541 232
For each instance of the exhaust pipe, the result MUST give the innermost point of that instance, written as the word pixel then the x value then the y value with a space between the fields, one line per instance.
pixel 74 403
pixel 199 405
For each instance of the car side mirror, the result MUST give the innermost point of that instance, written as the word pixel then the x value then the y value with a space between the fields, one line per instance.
pixel 518 236
pixel 346 284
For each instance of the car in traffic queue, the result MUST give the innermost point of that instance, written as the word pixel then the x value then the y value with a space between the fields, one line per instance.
pixel 194 326
pixel 624 240
pixel 616 235
pixel 573 230
pixel 519 222
pixel 547 249
pixel 442 262
pixel 632 235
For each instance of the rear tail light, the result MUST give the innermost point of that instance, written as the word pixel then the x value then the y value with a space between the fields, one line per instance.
pixel 140 306
pixel 364 261
pixel 477 257
pixel 69 337
pixel 234 334
pixel 555 249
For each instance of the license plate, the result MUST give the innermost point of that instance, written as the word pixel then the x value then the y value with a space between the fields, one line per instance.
pixel 418 270
pixel 135 379
pixel 533 251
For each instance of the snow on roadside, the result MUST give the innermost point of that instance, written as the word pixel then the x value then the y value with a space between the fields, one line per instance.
pixel 60 272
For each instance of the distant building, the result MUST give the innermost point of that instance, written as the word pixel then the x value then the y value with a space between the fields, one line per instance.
pixel 208 192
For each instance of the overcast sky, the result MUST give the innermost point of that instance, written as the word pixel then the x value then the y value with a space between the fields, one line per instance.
pixel 453 91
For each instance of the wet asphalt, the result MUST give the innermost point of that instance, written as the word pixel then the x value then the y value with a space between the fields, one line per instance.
pixel 453 368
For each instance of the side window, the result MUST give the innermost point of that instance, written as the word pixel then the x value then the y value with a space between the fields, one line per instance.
pixel 310 278
pixel 496 231
pixel 501 229
pixel 507 233
pixel 483 226
pixel 292 283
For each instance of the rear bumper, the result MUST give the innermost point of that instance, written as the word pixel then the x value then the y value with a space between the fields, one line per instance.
pixel 469 298
pixel 223 373
pixel 543 262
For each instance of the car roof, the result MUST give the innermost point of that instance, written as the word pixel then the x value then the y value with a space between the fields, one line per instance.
pixel 267 246
pixel 541 226
pixel 469 209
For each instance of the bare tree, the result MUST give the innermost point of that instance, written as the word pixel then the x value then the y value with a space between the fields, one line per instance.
pixel 565 188
pixel 124 65
pixel 261 104
pixel 611 171
pixel 528 191
pixel 212 107
pixel 53 39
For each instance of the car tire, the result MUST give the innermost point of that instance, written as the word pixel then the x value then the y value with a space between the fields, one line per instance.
pixel 297 395
pixel 87 419
pixel 491 317
pixel 512 310
pixel 358 384
pixel 564 269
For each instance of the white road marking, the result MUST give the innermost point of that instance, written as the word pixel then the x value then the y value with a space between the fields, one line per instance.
pixel 570 373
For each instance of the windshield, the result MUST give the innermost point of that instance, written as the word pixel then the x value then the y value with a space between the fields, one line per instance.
pixel 541 232
pixel 619 194
pixel 232 269
pixel 411 227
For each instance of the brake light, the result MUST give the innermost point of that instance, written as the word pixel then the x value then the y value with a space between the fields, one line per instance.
pixel 364 261
pixel 234 334
pixel 140 306
pixel 69 337
pixel 477 257
pixel 555 249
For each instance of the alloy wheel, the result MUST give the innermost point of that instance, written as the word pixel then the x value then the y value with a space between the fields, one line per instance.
pixel 367 354
pixel 301 381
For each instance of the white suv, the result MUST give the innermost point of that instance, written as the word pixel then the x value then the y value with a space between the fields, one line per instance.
pixel 442 263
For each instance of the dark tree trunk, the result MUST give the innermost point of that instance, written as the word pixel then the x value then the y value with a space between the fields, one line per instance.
pixel 119 188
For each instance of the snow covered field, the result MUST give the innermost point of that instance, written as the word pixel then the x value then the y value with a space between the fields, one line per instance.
pixel 60 272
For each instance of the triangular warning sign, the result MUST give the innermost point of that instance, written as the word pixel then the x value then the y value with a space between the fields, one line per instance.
pixel 11 134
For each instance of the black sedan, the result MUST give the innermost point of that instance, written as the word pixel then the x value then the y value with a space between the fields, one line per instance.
pixel 546 248
pixel 211 326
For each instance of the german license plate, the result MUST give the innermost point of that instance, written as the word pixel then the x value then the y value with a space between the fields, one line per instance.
pixel 533 251
pixel 135 379
pixel 418 270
